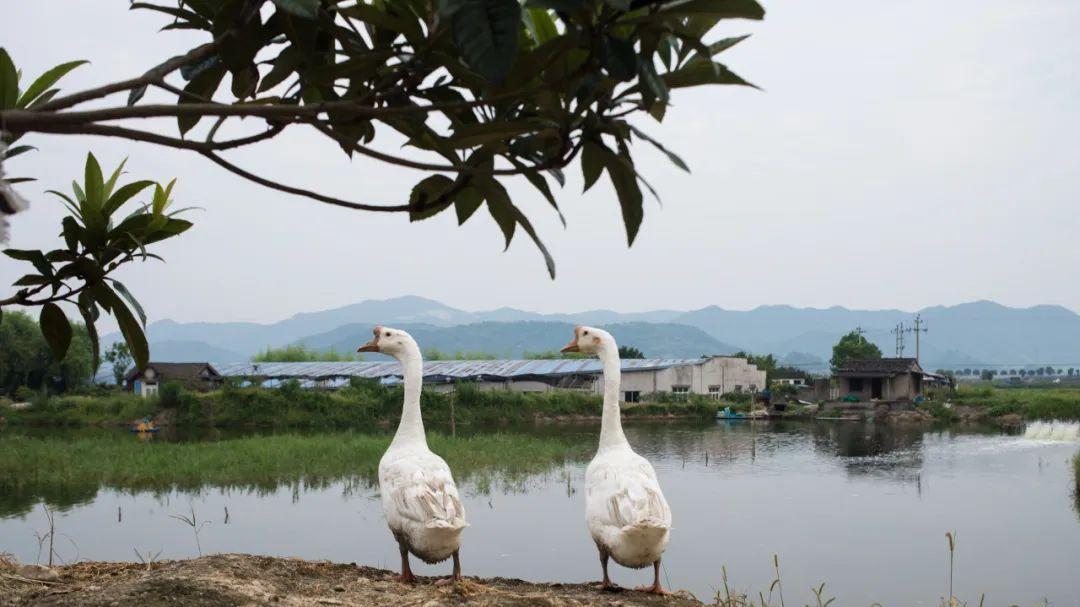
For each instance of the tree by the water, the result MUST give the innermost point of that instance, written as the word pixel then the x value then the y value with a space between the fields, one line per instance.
pixel 119 356
pixel 630 352
pixel 27 360
pixel 852 346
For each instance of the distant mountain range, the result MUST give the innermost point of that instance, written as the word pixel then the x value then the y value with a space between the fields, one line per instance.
pixel 973 334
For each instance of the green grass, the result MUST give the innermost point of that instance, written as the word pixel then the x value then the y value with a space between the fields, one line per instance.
pixel 1029 403
pixel 64 472
pixel 363 405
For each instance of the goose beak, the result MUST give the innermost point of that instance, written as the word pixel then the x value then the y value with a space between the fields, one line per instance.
pixel 572 346
pixel 373 345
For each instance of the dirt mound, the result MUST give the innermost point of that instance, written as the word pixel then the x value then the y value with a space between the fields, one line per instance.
pixel 240 579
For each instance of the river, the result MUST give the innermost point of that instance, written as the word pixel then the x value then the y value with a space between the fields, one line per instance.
pixel 863 508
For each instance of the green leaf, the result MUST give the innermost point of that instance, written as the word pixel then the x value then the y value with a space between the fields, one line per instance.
pixel 35 257
pixel 703 72
pixel 549 261
pixel 94 182
pixel 120 288
pixel 592 162
pixel 306 9
pixel 203 85
pixel 619 58
pixel 56 329
pixel 623 176
pixel 88 313
pixel 124 194
pixel 470 135
pixel 45 81
pixel 16 150
pixel 538 182
pixel 111 183
pixel 499 205
pixel 466 203
pixel 720 9
pixel 71 233
pixel 558 5
pixel 429 197
pixel 486 35
pixel 672 156
pixel 9 81
pixel 129 327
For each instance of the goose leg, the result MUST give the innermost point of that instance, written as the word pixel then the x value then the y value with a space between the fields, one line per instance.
pixel 406 572
pixel 606 585
pixel 454 577
pixel 656 588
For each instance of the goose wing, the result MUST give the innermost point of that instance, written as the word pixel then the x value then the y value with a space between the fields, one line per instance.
pixel 420 488
pixel 624 492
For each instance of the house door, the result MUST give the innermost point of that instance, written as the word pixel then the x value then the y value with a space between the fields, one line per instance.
pixel 875 387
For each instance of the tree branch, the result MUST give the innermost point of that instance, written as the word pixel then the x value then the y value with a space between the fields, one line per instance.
pixel 153 75
pixel 225 164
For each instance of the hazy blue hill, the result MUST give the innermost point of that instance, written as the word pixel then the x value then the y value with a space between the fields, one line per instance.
pixel 964 335
pixel 512 339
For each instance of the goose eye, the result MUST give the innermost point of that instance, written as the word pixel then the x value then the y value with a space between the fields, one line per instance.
pixel 388 334
pixel 586 333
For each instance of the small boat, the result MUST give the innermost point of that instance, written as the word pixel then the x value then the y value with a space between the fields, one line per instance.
pixel 144 425
pixel 727 413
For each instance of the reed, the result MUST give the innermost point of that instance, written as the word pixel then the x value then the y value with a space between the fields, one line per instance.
pixel 66 472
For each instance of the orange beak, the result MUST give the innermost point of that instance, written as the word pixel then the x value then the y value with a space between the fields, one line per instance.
pixel 573 345
pixel 373 345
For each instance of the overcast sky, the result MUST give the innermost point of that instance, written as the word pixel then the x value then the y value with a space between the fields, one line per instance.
pixel 902 154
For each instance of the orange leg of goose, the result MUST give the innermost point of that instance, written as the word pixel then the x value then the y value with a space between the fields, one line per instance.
pixel 656 588
pixel 606 585
pixel 456 575
pixel 406 576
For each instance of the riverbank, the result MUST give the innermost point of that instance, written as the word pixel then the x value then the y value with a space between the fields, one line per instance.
pixel 361 406
pixel 239 579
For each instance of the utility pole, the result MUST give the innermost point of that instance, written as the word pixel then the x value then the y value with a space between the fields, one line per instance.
pixel 899 332
pixel 920 327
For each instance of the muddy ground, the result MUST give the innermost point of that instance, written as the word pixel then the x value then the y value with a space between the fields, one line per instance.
pixel 240 579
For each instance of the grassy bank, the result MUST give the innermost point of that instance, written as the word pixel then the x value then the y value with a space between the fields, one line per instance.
pixel 1029 403
pixel 63 472
pixel 362 405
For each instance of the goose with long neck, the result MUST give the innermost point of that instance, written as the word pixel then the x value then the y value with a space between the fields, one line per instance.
pixel 625 510
pixel 419 497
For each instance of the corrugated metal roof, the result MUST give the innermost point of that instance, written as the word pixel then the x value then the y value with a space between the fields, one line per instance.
pixel 451 369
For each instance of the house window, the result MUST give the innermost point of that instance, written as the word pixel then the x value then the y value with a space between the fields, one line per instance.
pixel 632 396
pixel 715 392
pixel 855 384
pixel 680 392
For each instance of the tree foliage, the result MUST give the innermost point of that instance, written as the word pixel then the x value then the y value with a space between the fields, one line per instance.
pixel 27 360
pixel 852 346
pixel 630 352
pixel 480 91
pixel 96 241
pixel 119 357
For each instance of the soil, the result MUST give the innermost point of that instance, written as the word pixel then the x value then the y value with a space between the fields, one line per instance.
pixel 241 579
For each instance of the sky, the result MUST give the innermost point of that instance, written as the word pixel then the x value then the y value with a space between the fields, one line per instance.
pixel 900 155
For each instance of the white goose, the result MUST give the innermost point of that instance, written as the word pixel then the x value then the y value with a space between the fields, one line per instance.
pixel 419 497
pixel 625 511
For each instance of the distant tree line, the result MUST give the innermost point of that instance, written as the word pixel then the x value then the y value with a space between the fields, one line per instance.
pixel 989 374
pixel 26 360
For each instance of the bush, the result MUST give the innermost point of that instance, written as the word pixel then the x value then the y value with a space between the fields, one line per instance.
pixel 170 394
pixel 24 394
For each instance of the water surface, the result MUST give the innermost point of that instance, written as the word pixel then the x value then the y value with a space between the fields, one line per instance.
pixel 863 508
